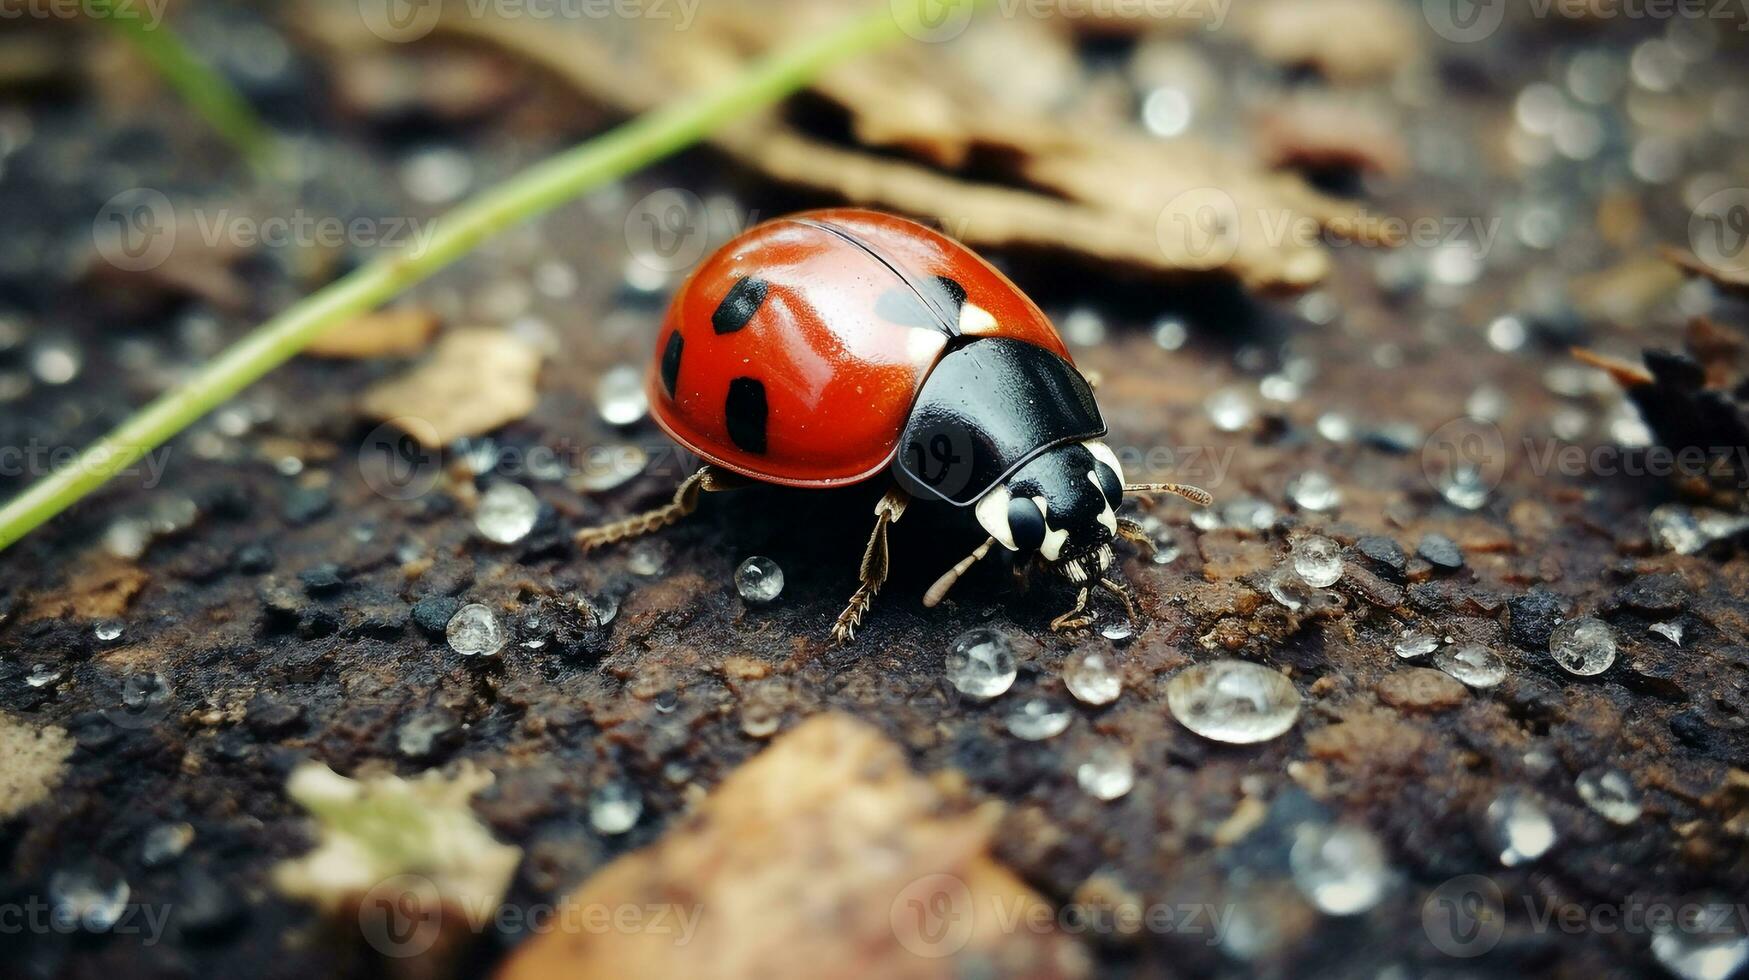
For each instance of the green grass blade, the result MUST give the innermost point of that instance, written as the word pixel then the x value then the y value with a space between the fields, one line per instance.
pixel 539 189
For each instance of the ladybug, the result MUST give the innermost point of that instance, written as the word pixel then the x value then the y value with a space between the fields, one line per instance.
pixel 836 346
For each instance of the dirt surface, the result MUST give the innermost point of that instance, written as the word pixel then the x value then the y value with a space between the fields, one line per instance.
pixel 288 601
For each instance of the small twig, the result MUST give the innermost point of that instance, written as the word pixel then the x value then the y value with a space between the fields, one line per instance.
pixel 538 189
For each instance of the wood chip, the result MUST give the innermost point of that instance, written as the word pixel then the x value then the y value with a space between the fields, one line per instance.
pixel 474 381
pixel 386 333
pixel 1346 41
pixel 823 855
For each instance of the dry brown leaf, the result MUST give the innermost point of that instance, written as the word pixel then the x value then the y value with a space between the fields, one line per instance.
pixel 474 381
pixel 1346 41
pixel 386 333
pixel 823 856
pixel 1730 280
pixel 102 588
pixel 1317 133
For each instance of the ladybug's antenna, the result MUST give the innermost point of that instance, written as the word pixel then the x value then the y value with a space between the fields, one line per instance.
pixel 938 591
pixel 1195 495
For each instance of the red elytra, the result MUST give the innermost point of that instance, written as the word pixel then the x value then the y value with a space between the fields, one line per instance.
pixel 793 355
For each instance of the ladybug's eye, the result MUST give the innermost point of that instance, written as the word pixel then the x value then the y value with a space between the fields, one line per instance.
pixel 1026 523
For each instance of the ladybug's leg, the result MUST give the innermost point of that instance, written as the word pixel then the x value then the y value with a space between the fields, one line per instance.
pixel 1123 593
pixel 874 566
pixel 707 480
pixel 1076 618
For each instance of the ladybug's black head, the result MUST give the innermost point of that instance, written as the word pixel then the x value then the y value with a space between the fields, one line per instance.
pixel 1062 506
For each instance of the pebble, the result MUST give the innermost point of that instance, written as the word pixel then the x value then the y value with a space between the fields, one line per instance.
pixel 1474 664
pixel 433 613
pixel 1318 561
pixel 981 664
pixel 1412 644
pixel 1340 868
pixel 1107 773
pixel 1314 491
pixel 1038 718
pixel 91 898
pixel 615 807
pixel 1383 553
pixel 474 631
pixel 1421 689
pixel 1441 552
pixel 1611 793
pixel 322 579
pixel 1584 646
pixel 1518 827
pixel 165 843
pixel 1233 701
pixel 1093 679
pixel 506 513
pixel 1531 618
pixel 270 717
pixel 759 580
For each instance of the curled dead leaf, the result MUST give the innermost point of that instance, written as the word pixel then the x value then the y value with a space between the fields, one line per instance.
pixel 1346 41
pixel 474 381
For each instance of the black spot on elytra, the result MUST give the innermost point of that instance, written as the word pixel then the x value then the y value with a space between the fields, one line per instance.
pixel 929 304
pixel 671 362
pixel 739 306
pixel 745 411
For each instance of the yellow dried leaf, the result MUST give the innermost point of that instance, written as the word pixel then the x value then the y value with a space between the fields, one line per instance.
pixel 474 381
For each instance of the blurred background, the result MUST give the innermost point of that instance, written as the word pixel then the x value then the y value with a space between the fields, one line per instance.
pixel 1442 300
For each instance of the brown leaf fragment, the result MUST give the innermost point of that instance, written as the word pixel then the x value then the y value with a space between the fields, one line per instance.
pixel 1323 134
pixel 102 588
pixel 32 763
pixel 825 855
pixel 1346 41
pixel 386 333
pixel 474 381
pixel 1730 280
pixel 1422 689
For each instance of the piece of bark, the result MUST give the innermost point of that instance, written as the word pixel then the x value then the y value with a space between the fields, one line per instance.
pixel 824 856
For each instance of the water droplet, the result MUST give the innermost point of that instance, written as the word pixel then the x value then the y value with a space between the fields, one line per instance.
pixel 1335 427
pixel 1464 486
pixel 759 580
pixel 56 362
pixel 437 176
pixel 107 631
pixel 1171 334
pixel 165 843
pixel 1229 409
pixel 92 898
pixel 1519 827
pixel 1583 646
pixel 127 537
pixel 506 513
pixel 1611 793
pixel 615 807
pixel 760 719
pixel 1472 663
pixel 647 558
pixel 620 396
pixel 1092 678
pixel 1107 773
pixel 981 664
pixel 1318 560
pixel 144 690
pixel 1671 631
pixel 1118 630
pixel 1166 112
pixel 1083 327
pixel 474 631
pixel 1313 490
pixel 1038 718
pixel 1702 955
pixel 1341 869
pixel 1413 644
pixel 1287 588
pixel 1233 701
pixel 1507 334
pixel 42 675
pixel 598 610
